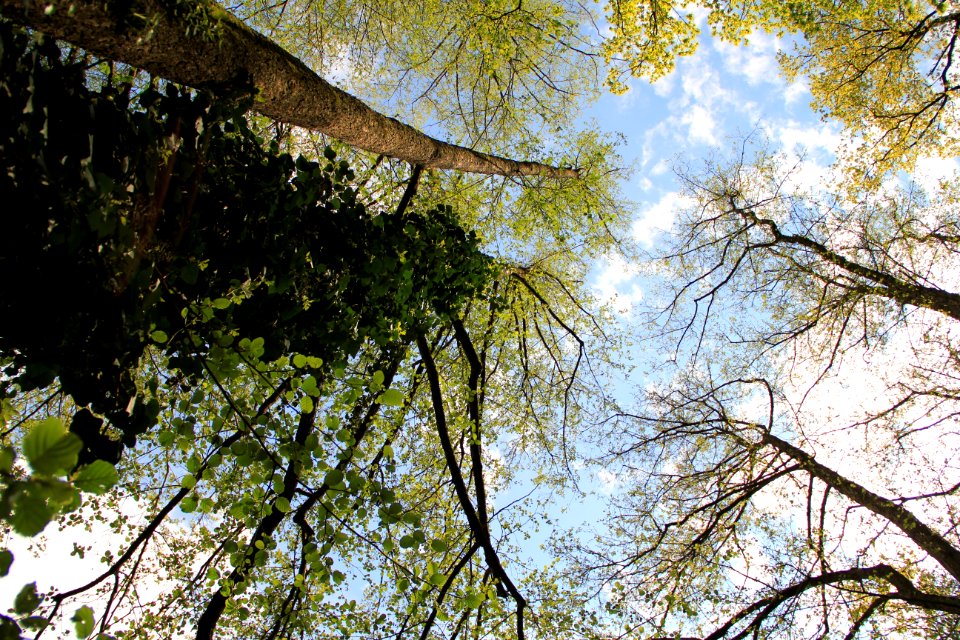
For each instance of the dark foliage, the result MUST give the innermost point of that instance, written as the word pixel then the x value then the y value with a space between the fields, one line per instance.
pixel 164 219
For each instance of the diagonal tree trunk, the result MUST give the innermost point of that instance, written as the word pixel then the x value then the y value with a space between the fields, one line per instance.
pixel 235 54
pixel 926 538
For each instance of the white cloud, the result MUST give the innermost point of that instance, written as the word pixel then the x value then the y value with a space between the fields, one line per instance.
pixel 701 83
pixel 930 171
pixel 808 153
pixel 796 139
pixel 609 286
pixel 794 91
pixel 664 86
pixel 660 168
pixel 756 62
pixel 659 217
pixel 609 481
pixel 701 126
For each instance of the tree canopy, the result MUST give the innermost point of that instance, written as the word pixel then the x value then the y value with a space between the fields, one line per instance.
pixel 225 335
pixel 292 380
pixel 883 69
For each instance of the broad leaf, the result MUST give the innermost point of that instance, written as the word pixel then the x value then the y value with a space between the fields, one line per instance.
pixel 50 449
pixel 97 477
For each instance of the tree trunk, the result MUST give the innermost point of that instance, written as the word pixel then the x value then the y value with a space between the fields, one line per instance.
pixel 926 538
pixel 236 55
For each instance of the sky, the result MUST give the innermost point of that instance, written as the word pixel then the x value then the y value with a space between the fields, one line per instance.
pixel 704 109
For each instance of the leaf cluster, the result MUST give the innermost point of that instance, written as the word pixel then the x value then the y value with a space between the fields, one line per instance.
pixel 162 219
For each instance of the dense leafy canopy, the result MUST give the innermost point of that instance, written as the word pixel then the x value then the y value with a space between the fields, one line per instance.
pixel 195 237
pixel 244 324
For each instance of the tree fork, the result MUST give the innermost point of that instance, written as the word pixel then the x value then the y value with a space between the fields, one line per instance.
pixel 232 54
pixel 888 285
pixel 207 623
pixel 939 548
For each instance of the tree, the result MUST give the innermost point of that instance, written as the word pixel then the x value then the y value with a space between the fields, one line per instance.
pixel 783 480
pixel 217 50
pixel 713 544
pixel 825 255
pixel 221 307
pixel 478 71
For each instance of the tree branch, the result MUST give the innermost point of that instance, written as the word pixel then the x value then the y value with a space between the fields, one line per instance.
pixel 460 487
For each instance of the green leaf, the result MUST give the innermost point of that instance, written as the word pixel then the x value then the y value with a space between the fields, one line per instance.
pixel 6 559
pixel 50 449
pixel 299 361
pixel 437 579
pixel 188 505
pixel 310 386
pixel 193 463
pixel 282 505
pixel 9 630
pixel 220 303
pixel 438 545
pixel 34 623
pixel 7 456
pixel 27 600
pixel 333 478
pixel 58 492
pixel 189 273
pixel 83 621
pixel 30 515
pixel 159 336
pixel 306 404
pixel 189 481
pixel 98 477
pixel 391 398
pixel 473 600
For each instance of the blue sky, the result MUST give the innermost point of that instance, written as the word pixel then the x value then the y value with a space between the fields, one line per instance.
pixel 704 109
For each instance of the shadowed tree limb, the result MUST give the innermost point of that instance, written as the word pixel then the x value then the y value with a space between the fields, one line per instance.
pixel 905 591
pixel 883 284
pixel 478 528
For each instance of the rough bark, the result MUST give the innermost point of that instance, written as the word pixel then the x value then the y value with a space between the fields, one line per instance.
pixel 287 89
